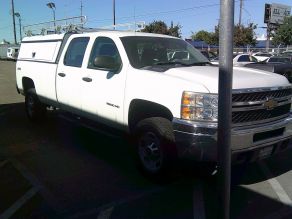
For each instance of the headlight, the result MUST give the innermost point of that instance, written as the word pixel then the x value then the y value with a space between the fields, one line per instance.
pixel 199 106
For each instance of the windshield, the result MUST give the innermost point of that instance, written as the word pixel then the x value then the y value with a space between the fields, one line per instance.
pixel 152 51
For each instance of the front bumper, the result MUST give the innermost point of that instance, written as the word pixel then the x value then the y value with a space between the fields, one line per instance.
pixel 198 141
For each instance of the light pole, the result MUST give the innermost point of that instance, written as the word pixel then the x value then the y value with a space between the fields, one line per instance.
pixel 19 20
pixel 13 19
pixel 53 7
pixel 114 13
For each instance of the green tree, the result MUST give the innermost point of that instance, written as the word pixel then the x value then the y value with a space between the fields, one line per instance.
pixel 283 34
pixel 161 27
pixel 203 35
pixel 244 36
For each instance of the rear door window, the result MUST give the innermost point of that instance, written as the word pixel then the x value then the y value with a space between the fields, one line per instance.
pixel 75 52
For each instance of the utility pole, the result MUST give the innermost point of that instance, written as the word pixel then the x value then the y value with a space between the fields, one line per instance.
pixel 240 12
pixel 13 18
pixel 81 13
pixel 268 36
pixel 226 28
pixel 19 21
pixel 114 13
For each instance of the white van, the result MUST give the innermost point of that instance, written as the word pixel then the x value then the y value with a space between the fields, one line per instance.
pixel 12 53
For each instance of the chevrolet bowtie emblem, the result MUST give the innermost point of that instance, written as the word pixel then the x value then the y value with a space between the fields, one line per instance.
pixel 270 104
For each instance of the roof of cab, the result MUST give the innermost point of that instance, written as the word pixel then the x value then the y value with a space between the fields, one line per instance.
pixel 127 33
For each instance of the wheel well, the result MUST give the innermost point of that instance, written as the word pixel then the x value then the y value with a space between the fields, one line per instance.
pixel 142 109
pixel 27 83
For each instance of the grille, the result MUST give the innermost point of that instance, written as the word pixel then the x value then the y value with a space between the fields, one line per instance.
pixel 261 114
pixel 260 96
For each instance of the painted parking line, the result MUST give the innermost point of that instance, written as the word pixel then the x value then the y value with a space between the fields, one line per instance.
pixel 19 203
pixel 106 214
pixel 108 208
pixel 46 195
pixel 276 186
pixel 198 201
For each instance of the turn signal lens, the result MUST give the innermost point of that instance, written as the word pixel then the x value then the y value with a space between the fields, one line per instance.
pixel 199 106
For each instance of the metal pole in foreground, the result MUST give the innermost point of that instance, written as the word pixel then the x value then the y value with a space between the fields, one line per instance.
pixel 268 37
pixel 225 100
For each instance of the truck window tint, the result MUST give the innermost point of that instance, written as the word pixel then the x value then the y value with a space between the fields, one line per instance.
pixel 104 46
pixel 75 52
pixel 148 51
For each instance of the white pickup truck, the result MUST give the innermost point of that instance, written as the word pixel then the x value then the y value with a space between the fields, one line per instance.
pixel 139 83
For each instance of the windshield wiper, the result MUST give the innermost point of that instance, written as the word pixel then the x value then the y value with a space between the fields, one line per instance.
pixel 171 63
pixel 199 63
pixel 182 63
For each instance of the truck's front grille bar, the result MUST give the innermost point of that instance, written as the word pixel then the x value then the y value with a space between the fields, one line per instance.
pixel 261 105
pixel 260 114
pixel 260 96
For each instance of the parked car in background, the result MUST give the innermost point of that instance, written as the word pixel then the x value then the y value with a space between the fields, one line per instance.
pixel 281 68
pixel 12 53
pixel 209 55
pixel 278 59
pixel 261 56
pixel 288 52
pixel 243 59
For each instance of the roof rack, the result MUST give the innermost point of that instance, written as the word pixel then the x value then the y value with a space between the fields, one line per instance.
pixel 76 25
pixel 57 26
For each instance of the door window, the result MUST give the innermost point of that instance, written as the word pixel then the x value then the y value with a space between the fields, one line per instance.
pixel 75 52
pixel 104 46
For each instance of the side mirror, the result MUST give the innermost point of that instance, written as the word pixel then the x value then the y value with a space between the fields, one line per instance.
pixel 106 62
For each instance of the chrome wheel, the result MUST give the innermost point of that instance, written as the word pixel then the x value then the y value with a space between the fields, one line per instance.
pixel 150 152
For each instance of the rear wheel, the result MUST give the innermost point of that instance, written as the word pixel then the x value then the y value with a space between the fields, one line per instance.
pixel 155 145
pixel 35 110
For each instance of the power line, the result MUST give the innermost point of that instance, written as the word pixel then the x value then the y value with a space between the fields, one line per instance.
pixel 161 12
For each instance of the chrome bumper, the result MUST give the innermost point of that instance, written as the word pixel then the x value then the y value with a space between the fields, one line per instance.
pixel 198 141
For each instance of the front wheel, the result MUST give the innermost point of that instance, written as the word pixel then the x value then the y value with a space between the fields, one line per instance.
pixel 35 110
pixel 155 145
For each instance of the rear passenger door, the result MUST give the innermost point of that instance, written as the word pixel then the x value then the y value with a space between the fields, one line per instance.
pixel 69 74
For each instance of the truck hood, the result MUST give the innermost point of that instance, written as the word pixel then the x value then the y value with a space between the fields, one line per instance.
pixel 242 77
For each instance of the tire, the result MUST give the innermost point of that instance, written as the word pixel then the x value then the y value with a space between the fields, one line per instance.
pixel 35 110
pixel 155 146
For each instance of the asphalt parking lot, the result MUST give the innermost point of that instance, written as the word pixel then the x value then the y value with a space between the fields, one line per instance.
pixel 60 169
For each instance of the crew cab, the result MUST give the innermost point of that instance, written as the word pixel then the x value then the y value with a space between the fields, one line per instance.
pixel 133 82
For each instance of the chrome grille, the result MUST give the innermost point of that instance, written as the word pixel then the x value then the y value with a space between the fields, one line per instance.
pixel 259 96
pixel 261 114
pixel 250 106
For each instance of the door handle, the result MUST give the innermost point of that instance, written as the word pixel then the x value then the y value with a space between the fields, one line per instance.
pixel 87 79
pixel 62 74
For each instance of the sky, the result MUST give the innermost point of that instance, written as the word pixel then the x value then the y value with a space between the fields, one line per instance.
pixel 192 15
